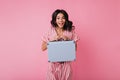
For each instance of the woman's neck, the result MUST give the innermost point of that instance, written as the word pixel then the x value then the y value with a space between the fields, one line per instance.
pixel 59 29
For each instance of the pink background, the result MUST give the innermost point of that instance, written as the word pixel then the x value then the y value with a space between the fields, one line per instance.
pixel 23 22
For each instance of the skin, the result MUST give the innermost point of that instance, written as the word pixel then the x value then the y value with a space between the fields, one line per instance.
pixel 60 21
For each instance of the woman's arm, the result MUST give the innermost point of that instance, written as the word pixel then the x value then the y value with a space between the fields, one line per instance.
pixel 44 43
pixel 44 46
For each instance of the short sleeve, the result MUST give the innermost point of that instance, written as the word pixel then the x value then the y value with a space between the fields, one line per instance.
pixel 46 35
pixel 75 37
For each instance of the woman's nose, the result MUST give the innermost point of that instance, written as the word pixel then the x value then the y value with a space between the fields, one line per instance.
pixel 61 19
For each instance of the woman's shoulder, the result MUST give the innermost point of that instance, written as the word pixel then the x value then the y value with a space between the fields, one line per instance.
pixel 50 29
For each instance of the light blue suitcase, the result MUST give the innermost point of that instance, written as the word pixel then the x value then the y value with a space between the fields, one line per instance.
pixel 61 51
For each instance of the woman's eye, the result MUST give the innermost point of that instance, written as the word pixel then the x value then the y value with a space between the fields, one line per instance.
pixel 63 18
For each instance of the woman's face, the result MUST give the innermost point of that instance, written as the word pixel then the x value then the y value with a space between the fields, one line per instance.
pixel 60 20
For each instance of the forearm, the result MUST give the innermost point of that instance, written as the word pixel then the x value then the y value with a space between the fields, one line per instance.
pixel 44 46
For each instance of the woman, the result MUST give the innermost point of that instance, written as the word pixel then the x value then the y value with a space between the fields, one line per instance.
pixel 61 29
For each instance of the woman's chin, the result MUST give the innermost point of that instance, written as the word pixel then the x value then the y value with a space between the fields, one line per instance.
pixel 60 26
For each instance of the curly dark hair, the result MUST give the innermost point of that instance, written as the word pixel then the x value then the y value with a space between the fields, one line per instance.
pixel 68 24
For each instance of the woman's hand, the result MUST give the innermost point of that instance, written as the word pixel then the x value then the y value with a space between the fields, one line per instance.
pixel 60 38
pixel 55 38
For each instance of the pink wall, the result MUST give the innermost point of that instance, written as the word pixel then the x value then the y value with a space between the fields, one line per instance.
pixel 22 23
